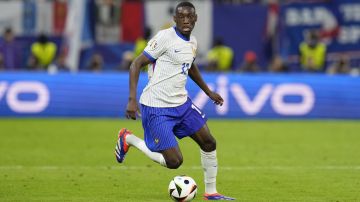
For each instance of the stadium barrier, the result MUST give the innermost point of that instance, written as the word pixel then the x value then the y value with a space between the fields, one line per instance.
pixel 263 96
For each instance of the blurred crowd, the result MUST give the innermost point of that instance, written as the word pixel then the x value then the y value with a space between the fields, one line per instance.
pixel 312 59
pixel 45 55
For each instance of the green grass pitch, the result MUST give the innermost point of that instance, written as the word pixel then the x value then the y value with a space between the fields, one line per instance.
pixel 73 160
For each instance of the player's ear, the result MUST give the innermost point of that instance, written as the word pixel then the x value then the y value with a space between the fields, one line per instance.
pixel 174 18
pixel 195 17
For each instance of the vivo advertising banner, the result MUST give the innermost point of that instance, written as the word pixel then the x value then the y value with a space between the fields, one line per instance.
pixel 264 96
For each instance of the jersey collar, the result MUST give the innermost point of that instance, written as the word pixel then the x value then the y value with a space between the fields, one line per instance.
pixel 181 35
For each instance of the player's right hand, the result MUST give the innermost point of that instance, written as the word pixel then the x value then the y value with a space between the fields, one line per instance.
pixel 132 110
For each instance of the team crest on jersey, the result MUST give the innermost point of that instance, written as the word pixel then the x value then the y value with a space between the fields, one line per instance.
pixel 153 44
pixel 156 140
pixel 194 51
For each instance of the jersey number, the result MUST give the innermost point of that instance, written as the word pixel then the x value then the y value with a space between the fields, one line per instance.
pixel 185 67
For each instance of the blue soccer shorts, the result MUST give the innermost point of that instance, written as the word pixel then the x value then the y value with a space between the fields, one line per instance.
pixel 162 125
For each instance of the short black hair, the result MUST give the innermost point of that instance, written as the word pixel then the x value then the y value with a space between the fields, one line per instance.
pixel 184 4
pixel 42 38
pixel 147 33
pixel 8 30
pixel 218 41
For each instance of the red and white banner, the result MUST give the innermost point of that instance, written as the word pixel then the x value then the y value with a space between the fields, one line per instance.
pixel 132 21
pixel 73 33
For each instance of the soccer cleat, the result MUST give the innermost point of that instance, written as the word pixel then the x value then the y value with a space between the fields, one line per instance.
pixel 217 196
pixel 122 147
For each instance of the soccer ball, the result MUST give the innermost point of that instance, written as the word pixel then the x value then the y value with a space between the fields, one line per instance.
pixel 182 188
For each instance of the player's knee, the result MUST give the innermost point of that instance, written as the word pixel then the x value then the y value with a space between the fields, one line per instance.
pixel 209 145
pixel 174 163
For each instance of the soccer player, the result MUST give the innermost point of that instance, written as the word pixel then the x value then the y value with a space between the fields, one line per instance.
pixel 166 110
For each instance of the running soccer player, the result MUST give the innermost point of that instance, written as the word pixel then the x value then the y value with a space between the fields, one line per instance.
pixel 166 110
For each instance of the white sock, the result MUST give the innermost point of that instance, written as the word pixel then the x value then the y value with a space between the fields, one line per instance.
pixel 209 164
pixel 140 144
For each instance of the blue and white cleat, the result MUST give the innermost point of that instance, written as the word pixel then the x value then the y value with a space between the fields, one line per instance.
pixel 217 196
pixel 122 147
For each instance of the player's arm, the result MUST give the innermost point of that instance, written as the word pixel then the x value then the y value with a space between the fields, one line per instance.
pixel 195 75
pixel 134 72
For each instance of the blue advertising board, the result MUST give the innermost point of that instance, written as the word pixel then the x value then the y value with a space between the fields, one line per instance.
pixel 264 96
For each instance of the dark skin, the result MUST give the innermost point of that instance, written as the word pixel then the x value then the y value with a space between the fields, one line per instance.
pixel 185 19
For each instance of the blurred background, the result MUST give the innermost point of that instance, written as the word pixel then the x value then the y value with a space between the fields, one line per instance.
pixel 246 43
pixel 99 35
pixel 288 71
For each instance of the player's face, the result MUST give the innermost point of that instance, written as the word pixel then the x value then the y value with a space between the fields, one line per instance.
pixel 185 19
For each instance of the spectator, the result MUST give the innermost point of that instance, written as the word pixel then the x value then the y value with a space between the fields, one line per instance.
pixel 139 47
pixel 342 66
pixel 312 53
pixel 2 66
pixel 96 63
pixel 278 65
pixel 42 53
pixel 250 63
pixel 220 57
pixel 59 65
pixel 107 15
pixel 10 51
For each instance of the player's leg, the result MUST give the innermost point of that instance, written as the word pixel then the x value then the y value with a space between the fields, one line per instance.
pixel 170 158
pixel 159 140
pixel 204 139
pixel 173 157
pixel 209 162
pixel 194 125
pixel 126 139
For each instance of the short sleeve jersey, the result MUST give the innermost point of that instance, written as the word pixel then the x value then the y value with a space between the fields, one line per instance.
pixel 172 55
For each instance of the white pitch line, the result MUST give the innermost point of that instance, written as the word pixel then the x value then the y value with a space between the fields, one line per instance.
pixel 327 167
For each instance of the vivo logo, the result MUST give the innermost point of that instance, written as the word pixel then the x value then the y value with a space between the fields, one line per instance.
pixel 275 94
pixel 14 90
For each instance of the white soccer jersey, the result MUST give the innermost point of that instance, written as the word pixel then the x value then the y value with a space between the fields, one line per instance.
pixel 171 54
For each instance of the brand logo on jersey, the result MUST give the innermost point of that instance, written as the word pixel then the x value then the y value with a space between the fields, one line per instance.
pixel 177 50
pixel 153 44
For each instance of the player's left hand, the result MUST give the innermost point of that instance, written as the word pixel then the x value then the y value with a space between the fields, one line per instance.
pixel 132 110
pixel 217 99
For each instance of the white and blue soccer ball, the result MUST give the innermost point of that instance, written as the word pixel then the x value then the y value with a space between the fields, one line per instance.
pixel 182 188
